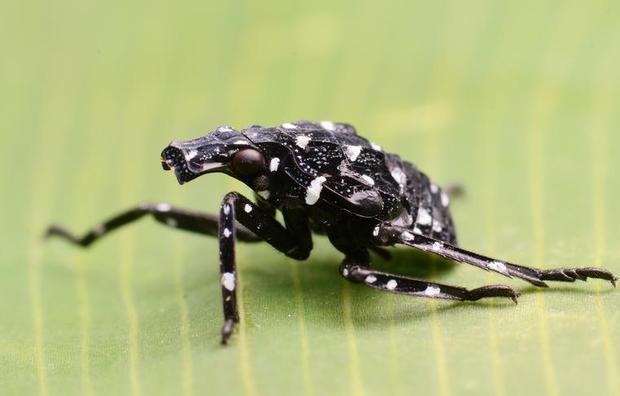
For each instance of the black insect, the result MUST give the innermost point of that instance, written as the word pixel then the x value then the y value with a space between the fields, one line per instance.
pixel 324 179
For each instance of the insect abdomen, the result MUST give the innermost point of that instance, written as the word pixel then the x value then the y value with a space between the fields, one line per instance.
pixel 430 206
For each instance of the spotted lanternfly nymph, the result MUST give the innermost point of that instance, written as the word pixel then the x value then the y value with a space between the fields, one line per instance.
pixel 327 180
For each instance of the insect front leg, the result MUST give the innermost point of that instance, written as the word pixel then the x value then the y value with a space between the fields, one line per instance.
pixel 164 213
pixel 386 234
pixel 294 241
pixel 358 272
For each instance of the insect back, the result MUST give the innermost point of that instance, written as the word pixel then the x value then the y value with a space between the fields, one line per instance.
pixel 327 163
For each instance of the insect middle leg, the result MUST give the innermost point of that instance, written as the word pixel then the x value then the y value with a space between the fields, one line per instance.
pixel 358 272
pixel 390 235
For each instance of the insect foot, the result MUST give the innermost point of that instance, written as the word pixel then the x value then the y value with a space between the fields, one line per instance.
pixel 494 291
pixel 574 274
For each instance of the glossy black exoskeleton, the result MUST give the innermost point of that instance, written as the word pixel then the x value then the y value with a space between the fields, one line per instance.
pixel 326 179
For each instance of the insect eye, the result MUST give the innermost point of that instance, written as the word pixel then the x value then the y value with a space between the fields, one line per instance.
pixel 248 162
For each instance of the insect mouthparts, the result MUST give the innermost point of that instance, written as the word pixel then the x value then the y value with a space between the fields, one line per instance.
pixel 164 164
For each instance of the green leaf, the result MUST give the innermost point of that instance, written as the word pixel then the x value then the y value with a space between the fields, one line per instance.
pixel 517 101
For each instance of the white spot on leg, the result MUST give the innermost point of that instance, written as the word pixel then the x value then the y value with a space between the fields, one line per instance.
pixel 228 281
pixel 313 192
pixel 352 152
pixel 392 284
pixel 288 125
pixel 274 164
pixel 498 266
pixel 424 218
pixel 345 272
pixel 432 291
pixel 437 246
pixel 227 233
pixel 226 209
pixel 99 230
pixel 163 207
pixel 370 279
pixel 247 208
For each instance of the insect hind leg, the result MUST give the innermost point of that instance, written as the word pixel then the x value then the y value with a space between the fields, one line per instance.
pixel 390 235
pixel 358 272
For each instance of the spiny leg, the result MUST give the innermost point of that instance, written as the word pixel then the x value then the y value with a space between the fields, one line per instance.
pixel 357 272
pixel 294 241
pixel 183 219
pixel 389 235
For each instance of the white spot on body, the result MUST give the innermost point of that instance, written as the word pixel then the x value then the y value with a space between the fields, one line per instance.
pixel 434 188
pixel 227 233
pixel 264 194
pixel 437 226
pixel 191 155
pixel 247 208
pixel 392 284
pixel 498 266
pixel 375 232
pixel 418 231
pixel 329 125
pixel 371 279
pixel 313 192
pixel 240 142
pixel 163 207
pixel 432 291
pixel 353 152
pixel 407 236
pixel 368 180
pixel 345 272
pixel 437 246
pixel 228 281
pixel 404 219
pixel 302 141
pixel 424 218
pixel 213 165
pixel 400 177
pixel 376 147
pixel 225 128
pixel 445 199
pixel 288 125
pixel 274 164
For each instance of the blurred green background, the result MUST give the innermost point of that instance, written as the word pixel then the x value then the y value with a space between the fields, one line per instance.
pixel 516 100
